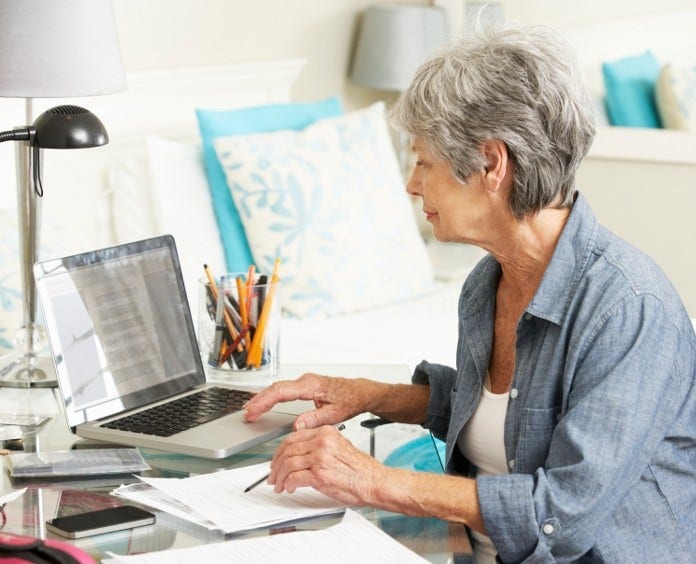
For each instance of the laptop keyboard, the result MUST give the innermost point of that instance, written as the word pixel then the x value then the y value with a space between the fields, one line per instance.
pixel 184 413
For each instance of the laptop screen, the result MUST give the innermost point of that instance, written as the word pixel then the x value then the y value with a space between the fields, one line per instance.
pixel 120 327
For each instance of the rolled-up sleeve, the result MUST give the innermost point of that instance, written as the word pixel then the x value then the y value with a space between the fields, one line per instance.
pixel 441 379
pixel 626 386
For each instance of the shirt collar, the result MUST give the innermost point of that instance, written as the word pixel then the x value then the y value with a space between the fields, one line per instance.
pixel 553 296
pixel 558 285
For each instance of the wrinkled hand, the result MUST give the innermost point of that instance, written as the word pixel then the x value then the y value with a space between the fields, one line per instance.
pixel 335 399
pixel 325 460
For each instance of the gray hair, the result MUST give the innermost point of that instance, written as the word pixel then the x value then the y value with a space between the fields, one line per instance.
pixel 521 86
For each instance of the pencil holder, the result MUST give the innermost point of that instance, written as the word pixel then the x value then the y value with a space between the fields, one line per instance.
pixel 239 328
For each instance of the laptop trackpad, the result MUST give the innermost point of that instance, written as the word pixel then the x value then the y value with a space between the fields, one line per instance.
pixel 294 407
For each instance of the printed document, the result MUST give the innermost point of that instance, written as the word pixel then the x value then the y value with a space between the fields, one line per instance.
pixel 354 539
pixel 219 498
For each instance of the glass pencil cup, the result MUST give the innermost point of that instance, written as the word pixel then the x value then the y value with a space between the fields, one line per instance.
pixel 239 328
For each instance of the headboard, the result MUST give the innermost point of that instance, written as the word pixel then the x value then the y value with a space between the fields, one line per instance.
pixel 162 103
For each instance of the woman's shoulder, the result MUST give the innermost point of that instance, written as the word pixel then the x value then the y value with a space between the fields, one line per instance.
pixel 619 272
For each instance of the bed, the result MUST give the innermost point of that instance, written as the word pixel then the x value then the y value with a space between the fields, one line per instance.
pixel 150 179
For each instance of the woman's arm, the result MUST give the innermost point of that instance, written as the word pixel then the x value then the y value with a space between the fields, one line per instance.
pixel 325 460
pixel 338 399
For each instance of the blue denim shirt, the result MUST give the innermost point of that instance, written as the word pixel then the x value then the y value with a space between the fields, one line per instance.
pixel 600 431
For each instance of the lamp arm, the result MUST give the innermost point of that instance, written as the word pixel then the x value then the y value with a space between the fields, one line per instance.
pixel 21 134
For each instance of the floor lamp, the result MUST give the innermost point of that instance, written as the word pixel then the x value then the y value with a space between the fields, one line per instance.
pixel 394 39
pixel 50 49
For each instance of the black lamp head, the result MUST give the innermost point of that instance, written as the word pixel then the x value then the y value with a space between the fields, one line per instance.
pixel 68 127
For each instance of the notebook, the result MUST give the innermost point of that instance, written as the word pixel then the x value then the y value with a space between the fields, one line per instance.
pixel 123 343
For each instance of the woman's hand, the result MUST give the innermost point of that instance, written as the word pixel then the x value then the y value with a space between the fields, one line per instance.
pixel 325 460
pixel 335 399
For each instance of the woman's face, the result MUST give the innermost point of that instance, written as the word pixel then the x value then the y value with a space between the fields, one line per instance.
pixel 458 212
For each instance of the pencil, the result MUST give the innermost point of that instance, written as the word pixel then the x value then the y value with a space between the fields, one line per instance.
pixel 255 355
pixel 241 294
pixel 226 315
pixel 262 479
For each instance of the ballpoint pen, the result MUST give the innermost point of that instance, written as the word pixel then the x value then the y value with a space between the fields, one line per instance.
pixel 214 356
pixel 262 479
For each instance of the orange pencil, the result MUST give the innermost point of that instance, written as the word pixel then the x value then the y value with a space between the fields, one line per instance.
pixel 241 294
pixel 250 290
pixel 255 355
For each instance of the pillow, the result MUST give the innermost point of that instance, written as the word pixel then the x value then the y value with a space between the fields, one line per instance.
pixel 675 95
pixel 183 208
pixel 130 208
pixel 330 202
pixel 52 244
pixel 218 123
pixel 630 90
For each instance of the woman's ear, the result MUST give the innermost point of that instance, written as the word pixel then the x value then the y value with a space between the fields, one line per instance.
pixel 496 155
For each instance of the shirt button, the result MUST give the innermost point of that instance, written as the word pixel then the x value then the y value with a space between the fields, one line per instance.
pixel 527 316
pixel 511 464
pixel 513 393
pixel 548 529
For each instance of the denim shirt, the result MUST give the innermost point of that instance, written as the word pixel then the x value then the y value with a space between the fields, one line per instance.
pixel 600 431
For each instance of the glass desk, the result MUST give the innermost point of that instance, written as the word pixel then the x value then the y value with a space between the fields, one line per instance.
pixel 435 540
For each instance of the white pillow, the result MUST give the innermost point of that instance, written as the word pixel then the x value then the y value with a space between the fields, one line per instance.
pixel 51 244
pixel 183 208
pixel 330 202
pixel 675 95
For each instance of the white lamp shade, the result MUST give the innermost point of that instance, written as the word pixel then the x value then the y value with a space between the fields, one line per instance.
pixel 393 41
pixel 59 48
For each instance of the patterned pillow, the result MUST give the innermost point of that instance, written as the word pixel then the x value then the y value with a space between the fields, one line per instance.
pixel 675 94
pixel 330 202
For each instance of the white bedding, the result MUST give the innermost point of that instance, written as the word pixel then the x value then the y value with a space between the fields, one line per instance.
pixel 402 333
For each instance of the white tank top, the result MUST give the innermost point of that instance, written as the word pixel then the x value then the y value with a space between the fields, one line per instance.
pixel 481 441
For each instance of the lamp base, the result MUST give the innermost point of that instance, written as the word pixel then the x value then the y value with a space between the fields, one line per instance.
pixel 18 370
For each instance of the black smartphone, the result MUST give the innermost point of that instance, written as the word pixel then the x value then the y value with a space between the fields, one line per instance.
pixel 98 522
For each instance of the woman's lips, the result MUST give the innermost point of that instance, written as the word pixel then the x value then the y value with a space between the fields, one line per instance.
pixel 429 215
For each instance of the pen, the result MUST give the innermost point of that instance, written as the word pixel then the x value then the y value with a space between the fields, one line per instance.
pixel 214 356
pixel 262 479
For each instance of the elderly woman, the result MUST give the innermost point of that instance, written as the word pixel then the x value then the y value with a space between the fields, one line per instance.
pixel 570 419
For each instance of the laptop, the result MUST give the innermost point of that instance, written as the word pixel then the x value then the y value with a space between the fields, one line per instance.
pixel 124 347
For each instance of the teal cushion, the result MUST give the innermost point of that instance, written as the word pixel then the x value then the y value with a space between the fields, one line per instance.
pixel 419 455
pixel 630 91
pixel 260 119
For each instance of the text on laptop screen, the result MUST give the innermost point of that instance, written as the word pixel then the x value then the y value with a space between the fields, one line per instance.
pixel 119 328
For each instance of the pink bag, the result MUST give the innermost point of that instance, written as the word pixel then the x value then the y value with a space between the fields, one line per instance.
pixel 17 549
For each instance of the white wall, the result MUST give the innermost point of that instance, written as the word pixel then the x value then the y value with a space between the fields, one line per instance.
pixel 171 33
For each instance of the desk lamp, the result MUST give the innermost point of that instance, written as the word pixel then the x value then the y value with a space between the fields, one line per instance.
pixel 394 39
pixel 50 49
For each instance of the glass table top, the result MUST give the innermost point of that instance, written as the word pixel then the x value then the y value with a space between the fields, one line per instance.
pixel 44 499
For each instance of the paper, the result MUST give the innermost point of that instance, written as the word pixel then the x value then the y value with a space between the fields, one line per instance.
pixel 354 539
pixel 219 498
pixel 152 497
pixel 82 462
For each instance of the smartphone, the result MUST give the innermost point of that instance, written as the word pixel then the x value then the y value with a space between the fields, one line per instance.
pixel 98 522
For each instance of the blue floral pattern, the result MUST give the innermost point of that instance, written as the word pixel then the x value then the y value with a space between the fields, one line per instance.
pixel 330 202
pixel 675 95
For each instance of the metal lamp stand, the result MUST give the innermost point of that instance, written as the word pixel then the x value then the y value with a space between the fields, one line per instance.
pixel 27 367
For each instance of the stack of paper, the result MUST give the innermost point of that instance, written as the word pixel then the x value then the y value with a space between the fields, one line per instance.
pixel 355 539
pixel 218 501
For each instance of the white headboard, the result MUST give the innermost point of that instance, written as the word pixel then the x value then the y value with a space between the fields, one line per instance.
pixel 159 103
pixel 669 34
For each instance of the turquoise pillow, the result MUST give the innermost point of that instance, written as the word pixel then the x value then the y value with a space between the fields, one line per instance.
pixel 260 119
pixel 630 91
pixel 419 454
